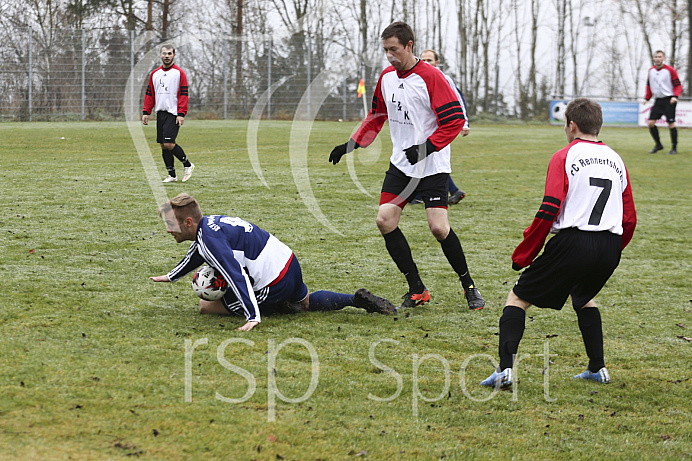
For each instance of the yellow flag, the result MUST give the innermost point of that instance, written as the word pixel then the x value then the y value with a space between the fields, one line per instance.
pixel 361 87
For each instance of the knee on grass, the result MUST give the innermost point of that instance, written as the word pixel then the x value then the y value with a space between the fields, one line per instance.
pixel 211 307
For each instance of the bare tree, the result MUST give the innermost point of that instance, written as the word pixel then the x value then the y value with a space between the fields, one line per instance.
pixel 561 55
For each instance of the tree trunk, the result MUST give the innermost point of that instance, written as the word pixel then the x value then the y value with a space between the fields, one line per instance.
pixel 150 16
pixel 164 22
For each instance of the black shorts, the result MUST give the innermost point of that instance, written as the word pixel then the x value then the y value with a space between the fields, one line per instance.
pixel 399 189
pixel 574 262
pixel 663 106
pixel 166 128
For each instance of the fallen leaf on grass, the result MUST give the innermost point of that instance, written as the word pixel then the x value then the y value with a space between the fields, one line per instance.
pixel 271 438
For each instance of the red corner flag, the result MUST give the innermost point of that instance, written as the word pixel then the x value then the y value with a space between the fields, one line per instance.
pixel 361 87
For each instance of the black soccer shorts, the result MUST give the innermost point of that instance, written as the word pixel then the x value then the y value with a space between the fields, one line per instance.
pixel 166 128
pixel 574 262
pixel 663 106
pixel 399 189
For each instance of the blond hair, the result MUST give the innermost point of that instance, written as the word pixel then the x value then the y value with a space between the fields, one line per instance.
pixel 183 206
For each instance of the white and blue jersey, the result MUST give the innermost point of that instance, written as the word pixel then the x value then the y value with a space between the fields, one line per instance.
pixel 248 257
pixel 461 98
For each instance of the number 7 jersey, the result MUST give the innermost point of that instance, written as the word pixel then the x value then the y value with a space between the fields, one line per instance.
pixel 587 187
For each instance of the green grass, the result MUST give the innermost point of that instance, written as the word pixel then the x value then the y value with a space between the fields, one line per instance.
pixel 93 353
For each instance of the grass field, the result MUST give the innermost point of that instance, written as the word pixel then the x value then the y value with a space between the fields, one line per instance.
pixel 94 362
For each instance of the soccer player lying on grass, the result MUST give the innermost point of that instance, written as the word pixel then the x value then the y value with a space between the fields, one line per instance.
pixel 588 204
pixel 263 274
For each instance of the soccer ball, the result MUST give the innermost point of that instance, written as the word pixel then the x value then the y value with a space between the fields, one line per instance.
pixel 209 284
pixel 558 111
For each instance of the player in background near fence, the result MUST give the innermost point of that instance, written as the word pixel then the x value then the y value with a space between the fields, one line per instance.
pixel 263 274
pixel 167 93
pixel 588 205
pixel 425 116
pixel 455 194
pixel 663 84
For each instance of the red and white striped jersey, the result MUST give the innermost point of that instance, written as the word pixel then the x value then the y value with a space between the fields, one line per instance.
pixel 420 105
pixel 167 90
pixel 662 82
pixel 587 187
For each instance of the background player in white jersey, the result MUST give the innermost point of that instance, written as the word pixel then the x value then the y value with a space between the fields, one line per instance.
pixel 588 204
pixel 425 116
pixel 263 274
pixel 167 93
pixel 663 84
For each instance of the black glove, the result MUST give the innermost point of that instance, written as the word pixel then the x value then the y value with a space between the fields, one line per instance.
pixel 516 266
pixel 341 150
pixel 414 154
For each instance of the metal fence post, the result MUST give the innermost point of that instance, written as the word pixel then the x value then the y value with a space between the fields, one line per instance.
pixel 133 114
pixel 307 37
pixel 225 82
pixel 83 71
pixel 269 81
pixel 31 75
pixel 343 91
pixel 343 99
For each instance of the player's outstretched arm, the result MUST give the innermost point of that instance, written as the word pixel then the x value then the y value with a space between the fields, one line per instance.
pixel 248 326
pixel 160 278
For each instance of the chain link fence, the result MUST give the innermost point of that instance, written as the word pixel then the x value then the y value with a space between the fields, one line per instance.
pixel 86 75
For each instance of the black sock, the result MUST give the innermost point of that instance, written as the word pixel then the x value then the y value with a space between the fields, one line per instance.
pixel 511 332
pixel 180 155
pixel 592 333
pixel 674 137
pixel 401 254
pixel 168 160
pixel 451 247
pixel 654 134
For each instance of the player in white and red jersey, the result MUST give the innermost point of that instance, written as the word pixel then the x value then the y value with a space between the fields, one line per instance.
pixel 588 204
pixel 263 274
pixel 663 84
pixel 167 93
pixel 425 116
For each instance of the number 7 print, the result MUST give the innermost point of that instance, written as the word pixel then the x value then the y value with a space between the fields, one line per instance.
pixel 598 208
